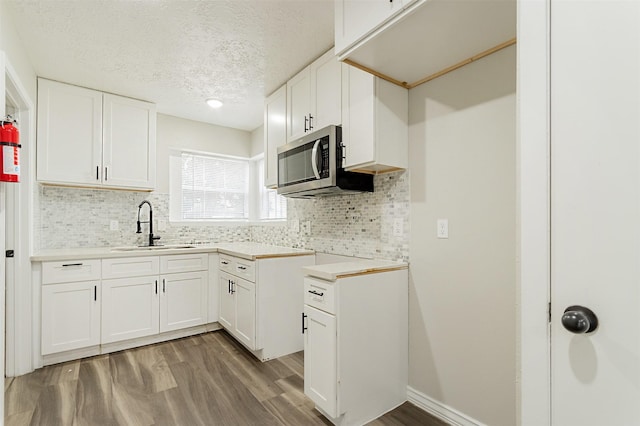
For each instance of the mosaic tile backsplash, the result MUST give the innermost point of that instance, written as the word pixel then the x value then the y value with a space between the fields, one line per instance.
pixel 359 225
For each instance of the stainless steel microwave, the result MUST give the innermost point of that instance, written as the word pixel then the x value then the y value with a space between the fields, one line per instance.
pixel 312 167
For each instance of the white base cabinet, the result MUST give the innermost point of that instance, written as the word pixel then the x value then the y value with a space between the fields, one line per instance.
pixel 130 308
pixel 183 301
pixel 356 345
pixel 70 316
pixel 260 302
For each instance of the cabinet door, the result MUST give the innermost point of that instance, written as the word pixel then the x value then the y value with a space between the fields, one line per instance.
pixel 275 133
pixel 356 18
pixel 227 312
pixel 320 357
pixel 326 91
pixel 245 328
pixel 358 117
pixel 183 300
pixel 129 143
pixel 213 305
pixel 298 105
pixel 69 144
pixel 130 308
pixel 70 316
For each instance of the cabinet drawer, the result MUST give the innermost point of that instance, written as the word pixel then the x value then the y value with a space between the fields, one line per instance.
pixel 130 267
pixel 320 294
pixel 184 263
pixel 70 271
pixel 226 263
pixel 245 269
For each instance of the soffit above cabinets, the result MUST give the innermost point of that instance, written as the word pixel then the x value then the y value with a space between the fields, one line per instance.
pixel 434 36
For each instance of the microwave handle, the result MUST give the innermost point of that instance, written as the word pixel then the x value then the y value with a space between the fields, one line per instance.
pixel 314 159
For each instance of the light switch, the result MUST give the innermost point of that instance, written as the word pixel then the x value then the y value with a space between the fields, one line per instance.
pixel 295 225
pixel 443 228
pixel 114 225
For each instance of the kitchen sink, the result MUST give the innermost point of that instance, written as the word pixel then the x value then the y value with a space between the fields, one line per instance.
pixel 158 247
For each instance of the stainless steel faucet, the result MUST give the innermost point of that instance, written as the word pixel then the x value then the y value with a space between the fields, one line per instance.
pixel 152 238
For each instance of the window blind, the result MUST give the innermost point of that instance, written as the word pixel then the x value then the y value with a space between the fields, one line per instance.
pixel 214 187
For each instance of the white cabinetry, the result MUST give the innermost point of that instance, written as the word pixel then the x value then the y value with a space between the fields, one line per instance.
pixel 355 358
pixel 374 123
pixel 260 302
pixel 275 133
pixel 70 305
pixel 87 138
pixel 130 306
pixel 150 295
pixel 313 97
pixel 356 18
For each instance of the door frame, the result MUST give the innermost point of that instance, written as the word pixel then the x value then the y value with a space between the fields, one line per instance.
pixel 534 206
pixel 19 305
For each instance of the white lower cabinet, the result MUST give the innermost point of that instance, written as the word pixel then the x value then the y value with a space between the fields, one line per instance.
pixel 356 345
pixel 130 308
pixel 183 301
pixel 320 379
pixel 70 316
pixel 238 308
pixel 260 302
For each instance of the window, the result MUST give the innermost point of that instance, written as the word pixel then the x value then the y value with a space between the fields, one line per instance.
pixel 214 187
pixel 271 205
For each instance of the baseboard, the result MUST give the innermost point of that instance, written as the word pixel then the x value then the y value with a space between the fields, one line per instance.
pixel 440 410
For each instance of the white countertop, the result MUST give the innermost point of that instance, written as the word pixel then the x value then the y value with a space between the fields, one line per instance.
pixel 245 250
pixel 333 271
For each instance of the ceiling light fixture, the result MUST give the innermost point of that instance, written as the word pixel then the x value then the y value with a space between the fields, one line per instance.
pixel 214 103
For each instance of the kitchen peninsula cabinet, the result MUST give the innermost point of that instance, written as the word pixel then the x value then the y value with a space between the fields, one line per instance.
pixel 314 97
pixel 260 301
pixel 375 116
pixel 346 339
pixel 93 139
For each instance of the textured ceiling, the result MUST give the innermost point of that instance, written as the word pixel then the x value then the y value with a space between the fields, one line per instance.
pixel 177 54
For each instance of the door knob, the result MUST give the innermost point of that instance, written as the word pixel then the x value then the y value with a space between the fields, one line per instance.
pixel 579 320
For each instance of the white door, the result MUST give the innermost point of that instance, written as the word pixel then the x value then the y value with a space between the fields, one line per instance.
pixel 245 294
pixel 129 142
pixel 183 301
pixel 227 314
pixel 595 210
pixel 69 134
pixel 70 316
pixel 326 91
pixel 298 105
pixel 130 308
pixel 320 359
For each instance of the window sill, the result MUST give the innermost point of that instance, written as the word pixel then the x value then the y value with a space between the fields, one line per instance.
pixel 222 222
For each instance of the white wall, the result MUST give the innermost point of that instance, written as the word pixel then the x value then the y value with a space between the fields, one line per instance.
pixel 462 315
pixel 15 55
pixel 174 132
pixel 257 141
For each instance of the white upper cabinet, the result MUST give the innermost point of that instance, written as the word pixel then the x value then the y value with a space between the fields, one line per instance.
pixel 374 123
pixel 129 142
pixel 356 18
pixel 413 40
pixel 69 134
pixel 87 138
pixel 313 97
pixel 275 133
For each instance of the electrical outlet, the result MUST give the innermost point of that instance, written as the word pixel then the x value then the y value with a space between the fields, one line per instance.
pixel 162 225
pixel 398 225
pixel 114 225
pixel 306 227
pixel 443 228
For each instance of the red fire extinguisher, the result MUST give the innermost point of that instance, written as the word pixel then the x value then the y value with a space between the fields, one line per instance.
pixel 9 151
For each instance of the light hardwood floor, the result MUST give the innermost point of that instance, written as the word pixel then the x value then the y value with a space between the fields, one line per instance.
pixel 207 379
